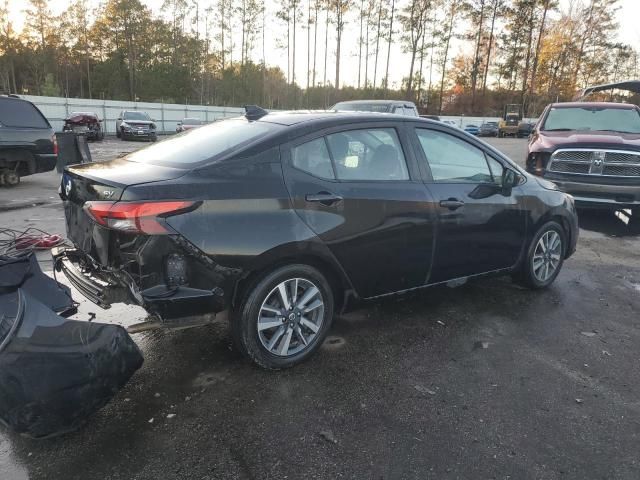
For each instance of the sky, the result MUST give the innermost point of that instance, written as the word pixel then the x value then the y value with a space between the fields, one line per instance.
pixel 628 16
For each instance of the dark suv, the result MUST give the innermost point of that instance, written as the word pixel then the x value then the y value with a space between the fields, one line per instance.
pixel 135 124
pixel 590 150
pixel 27 142
pixel 284 218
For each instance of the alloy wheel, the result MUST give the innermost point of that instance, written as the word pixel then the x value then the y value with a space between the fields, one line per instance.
pixel 290 317
pixel 547 255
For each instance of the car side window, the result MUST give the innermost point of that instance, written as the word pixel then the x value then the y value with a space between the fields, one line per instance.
pixel 453 160
pixel 313 157
pixel 410 111
pixel 373 154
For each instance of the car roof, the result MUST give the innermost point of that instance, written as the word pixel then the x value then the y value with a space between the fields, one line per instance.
pixel 623 106
pixel 14 98
pixel 377 102
pixel 331 116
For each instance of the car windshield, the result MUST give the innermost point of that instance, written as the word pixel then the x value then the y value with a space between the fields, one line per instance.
pixel 487 125
pixel 623 120
pixel 362 107
pixel 191 121
pixel 202 144
pixel 136 116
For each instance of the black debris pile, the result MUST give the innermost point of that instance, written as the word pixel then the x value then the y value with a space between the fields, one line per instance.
pixel 54 371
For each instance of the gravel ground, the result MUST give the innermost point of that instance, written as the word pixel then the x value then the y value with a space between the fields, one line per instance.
pixel 483 381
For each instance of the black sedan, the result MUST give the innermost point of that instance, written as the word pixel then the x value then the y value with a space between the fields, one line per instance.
pixel 282 219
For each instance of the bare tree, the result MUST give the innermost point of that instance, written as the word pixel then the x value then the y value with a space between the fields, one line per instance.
pixel 445 39
pixel 340 8
pixel 413 19
pixel 477 11
pixel 389 37
pixel 378 35
pixel 497 6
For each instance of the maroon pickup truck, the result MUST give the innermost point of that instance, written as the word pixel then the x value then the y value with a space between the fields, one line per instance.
pixel 590 150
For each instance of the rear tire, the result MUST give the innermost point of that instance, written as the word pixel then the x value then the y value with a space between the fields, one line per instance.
pixel 279 332
pixel 545 257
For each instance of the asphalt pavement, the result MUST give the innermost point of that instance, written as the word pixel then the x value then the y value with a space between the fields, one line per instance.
pixel 487 380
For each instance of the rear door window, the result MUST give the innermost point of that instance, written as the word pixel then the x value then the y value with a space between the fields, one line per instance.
pixel 18 113
pixel 373 154
pixel 313 157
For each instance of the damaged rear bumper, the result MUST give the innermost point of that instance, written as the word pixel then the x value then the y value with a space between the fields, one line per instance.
pixel 54 372
pixel 104 288
pixel 100 288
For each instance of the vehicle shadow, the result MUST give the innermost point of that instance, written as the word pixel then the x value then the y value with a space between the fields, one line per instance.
pixel 619 223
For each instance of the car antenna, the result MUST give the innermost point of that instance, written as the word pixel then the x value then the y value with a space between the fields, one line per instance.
pixel 254 112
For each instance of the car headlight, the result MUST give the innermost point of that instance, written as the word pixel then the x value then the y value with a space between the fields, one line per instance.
pixel 152 126
pixel 125 125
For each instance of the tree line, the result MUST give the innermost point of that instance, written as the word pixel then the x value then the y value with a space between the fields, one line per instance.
pixel 462 56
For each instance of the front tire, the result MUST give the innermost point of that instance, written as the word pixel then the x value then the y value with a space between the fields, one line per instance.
pixel 545 257
pixel 284 317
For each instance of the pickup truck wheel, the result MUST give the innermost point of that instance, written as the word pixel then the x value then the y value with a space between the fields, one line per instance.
pixel 284 318
pixel 545 257
pixel 9 178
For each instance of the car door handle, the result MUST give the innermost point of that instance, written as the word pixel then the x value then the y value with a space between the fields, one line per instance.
pixel 452 203
pixel 325 198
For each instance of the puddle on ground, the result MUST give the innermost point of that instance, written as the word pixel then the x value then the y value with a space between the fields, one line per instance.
pixel 207 379
pixel 333 342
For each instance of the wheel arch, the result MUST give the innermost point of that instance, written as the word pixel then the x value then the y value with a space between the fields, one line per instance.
pixel 559 218
pixel 312 256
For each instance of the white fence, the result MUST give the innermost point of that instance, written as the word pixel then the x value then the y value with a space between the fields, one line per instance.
pixel 166 115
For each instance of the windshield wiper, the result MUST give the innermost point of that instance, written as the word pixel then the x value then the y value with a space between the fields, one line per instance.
pixel 616 131
pixel 558 130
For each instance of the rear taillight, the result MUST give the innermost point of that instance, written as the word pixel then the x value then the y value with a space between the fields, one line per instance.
pixel 55 144
pixel 136 217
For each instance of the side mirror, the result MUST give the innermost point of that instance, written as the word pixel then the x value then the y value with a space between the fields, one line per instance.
pixel 509 180
pixel 119 118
